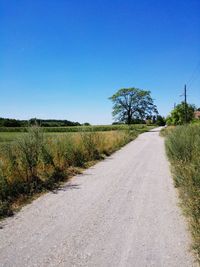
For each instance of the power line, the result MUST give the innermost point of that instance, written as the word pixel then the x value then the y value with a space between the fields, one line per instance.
pixel 185 102
pixel 194 75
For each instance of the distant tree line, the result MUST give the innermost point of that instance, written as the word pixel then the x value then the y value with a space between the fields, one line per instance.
pixel 5 122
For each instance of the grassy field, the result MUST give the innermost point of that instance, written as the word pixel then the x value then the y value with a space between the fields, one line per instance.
pixel 183 149
pixel 6 137
pixel 36 161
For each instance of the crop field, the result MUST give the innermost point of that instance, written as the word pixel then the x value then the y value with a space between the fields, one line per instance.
pixel 8 134
pixel 95 128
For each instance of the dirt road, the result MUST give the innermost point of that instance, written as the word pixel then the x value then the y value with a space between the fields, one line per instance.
pixel 121 212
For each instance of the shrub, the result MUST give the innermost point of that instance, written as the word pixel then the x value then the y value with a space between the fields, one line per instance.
pixel 30 147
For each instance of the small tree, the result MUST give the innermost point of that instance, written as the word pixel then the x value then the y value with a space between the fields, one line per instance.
pixel 181 113
pixel 132 104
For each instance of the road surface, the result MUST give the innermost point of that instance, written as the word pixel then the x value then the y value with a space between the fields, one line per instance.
pixel 121 212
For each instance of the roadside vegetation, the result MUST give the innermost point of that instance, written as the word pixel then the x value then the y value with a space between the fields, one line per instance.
pixel 182 113
pixel 183 150
pixel 37 161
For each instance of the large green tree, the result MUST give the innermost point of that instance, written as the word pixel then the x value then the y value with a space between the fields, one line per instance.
pixel 182 113
pixel 131 104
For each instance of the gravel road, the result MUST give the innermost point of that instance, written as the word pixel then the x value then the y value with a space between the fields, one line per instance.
pixel 121 212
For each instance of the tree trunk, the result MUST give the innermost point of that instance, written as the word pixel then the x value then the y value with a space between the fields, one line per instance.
pixel 129 118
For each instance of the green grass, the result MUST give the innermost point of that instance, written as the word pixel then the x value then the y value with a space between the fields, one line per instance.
pixel 37 161
pixel 183 149
pixel 6 137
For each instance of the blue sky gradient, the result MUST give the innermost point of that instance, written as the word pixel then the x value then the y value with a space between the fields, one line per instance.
pixel 63 59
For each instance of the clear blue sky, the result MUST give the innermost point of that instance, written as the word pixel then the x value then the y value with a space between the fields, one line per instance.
pixel 63 58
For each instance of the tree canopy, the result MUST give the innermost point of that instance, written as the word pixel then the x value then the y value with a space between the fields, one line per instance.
pixel 181 113
pixel 131 104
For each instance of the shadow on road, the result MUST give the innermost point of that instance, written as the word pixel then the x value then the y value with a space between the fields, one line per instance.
pixel 66 187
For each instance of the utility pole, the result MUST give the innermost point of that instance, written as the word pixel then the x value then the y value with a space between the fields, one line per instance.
pixel 185 102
